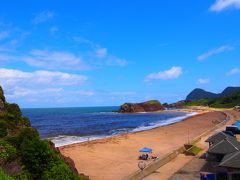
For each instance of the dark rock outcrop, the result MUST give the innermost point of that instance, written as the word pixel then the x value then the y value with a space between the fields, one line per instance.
pixel 176 105
pixel 147 106
pixel 66 159
pixel 1 105
pixel 2 99
pixel 198 94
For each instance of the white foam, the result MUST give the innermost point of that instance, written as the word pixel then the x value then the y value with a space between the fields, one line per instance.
pixel 63 140
pixel 163 122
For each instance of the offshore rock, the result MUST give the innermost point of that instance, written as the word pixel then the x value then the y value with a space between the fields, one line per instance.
pixel 176 105
pixel 148 106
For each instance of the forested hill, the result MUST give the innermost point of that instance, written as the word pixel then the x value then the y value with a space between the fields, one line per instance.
pixel 220 102
pixel 198 94
pixel 23 155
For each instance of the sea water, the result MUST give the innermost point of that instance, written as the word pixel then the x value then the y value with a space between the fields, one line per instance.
pixel 71 125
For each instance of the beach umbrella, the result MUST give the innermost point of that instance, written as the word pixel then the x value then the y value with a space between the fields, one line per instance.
pixel 237 124
pixel 146 150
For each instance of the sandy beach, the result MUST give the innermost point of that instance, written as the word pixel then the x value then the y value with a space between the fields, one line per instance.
pixel 116 157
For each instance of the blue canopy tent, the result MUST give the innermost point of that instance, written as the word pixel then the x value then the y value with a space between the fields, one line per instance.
pixel 237 124
pixel 146 150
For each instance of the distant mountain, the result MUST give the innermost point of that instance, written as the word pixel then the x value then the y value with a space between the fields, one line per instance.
pixel 198 94
pixel 229 91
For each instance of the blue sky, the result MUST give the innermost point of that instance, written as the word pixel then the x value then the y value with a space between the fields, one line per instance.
pixel 71 53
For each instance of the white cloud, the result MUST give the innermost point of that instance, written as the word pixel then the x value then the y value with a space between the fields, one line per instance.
pixel 55 60
pixel 221 5
pixel 40 87
pixel 172 73
pixel 102 53
pixel 5 57
pixel 83 40
pixel 58 94
pixel 215 51
pixel 233 71
pixel 203 81
pixel 4 34
pixel 53 30
pixel 18 92
pixel 12 77
pixel 43 17
pixel 115 61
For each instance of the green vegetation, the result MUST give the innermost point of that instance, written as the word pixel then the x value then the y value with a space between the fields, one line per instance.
pixel 223 102
pixel 152 102
pixel 21 145
pixel 193 151
pixel 3 176
pixel 7 151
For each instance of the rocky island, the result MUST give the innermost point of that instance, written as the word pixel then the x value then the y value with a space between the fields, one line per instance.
pixel 148 106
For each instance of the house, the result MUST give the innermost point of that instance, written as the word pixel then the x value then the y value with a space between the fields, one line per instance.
pixel 218 137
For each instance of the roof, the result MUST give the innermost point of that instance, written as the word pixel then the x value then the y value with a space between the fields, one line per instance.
pixel 231 160
pixel 225 146
pixel 218 137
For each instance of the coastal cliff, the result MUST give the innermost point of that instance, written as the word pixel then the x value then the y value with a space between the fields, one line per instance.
pixel 176 105
pixel 148 106
pixel 23 154
pixel 2 99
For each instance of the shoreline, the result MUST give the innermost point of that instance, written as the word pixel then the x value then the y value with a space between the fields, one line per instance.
pixel 110 155
pixel 82 139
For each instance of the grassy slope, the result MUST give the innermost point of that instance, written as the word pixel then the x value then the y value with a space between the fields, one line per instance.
pixel 224 102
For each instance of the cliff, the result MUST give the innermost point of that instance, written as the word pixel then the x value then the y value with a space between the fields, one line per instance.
pixel 2 99
pixel 148 106
pixel 23 154
pixel 178 104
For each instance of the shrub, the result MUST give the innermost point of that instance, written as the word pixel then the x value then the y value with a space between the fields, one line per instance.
pixel 13 109
pixel 3 176
pixel 13 140
pixel 37 156
pixel 24 122
pixel 58 172
pixel 28 133
pixel 3 128
pixel 7 151
pixel 10 119
pixel 24 175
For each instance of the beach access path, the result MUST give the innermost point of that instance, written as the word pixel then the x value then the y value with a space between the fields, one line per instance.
pixel 116 157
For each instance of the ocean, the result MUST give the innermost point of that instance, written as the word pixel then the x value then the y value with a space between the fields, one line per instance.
pixel 65 126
